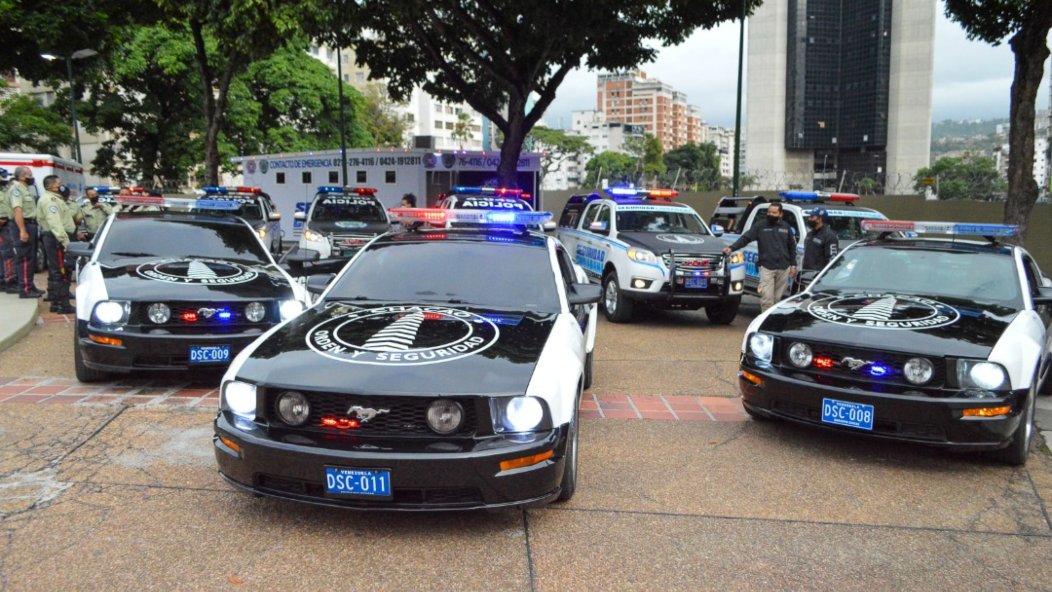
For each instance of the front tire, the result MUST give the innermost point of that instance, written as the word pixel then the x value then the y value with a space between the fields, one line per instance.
pixel 724 312
pixel 616 307
pixel 569 485
pixel 1018 450
pixel 85 374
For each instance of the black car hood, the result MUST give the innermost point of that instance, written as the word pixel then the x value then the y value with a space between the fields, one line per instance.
pixel 197 279
pixel 892 322
pixel 402 349
pixel 680 242
pixel 350 227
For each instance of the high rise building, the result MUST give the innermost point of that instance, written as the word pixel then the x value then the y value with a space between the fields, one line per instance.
pixel 632 98
pixel 840 93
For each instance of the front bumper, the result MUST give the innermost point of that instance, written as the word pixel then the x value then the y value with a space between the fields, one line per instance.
pixel 140 351
pixel 421 479
pixel 918 418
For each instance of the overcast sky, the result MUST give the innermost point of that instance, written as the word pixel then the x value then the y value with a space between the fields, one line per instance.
pixel 971 80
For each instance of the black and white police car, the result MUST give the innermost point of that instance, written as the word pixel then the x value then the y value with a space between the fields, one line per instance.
pixel 256 208
pixel 645 248
pixel 340 221
pixel 441 369
pixel 491 198
pixel 941 341
pixel 172 290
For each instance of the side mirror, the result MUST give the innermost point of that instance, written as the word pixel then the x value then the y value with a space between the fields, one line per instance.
pixel 550 226
pixel 303 256
pixel 1046 282
pixel 584 294
pixel 80 249
pixel 1044 297
pixel 301 216
pixel 274 216
pixel 717 230
pixel 316 284
pixel 600 227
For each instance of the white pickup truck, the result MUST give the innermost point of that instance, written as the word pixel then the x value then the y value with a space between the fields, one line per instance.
pixel 737 214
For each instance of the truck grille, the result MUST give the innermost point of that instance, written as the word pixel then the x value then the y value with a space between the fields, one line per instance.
pixel 710 263
pixel 844 358
pixel 207 317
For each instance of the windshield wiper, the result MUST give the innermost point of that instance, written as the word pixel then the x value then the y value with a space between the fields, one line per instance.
pixel 130 254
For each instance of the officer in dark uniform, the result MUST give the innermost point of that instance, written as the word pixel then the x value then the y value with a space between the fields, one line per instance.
pixel 7 247
pixel 24 232
pixel 821 244
pixel 776 246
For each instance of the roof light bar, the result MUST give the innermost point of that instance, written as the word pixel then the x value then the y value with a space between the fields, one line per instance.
pixel 953 228
pixel 818 196
pixel 663 193
pixel 625 191
pixel 355 190
pixel 141 200
pixel 225 190
pixel 481 217
pixel 179 202
pixel 463 189
pixel 112 190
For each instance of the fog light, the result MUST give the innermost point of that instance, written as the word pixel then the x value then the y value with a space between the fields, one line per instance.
pixel 293 408
pixel 738 286
pixel 445 416
pixel 255 311
pixel 639 284
pixel 159 313
pixel 800 355
pixel 988 411
pixel 917 370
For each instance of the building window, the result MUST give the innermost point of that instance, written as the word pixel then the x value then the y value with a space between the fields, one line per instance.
pixel 334 177
pixel 306 177
pixel 389 176
pixel 359 76
pixel 362 176
pixel 280 178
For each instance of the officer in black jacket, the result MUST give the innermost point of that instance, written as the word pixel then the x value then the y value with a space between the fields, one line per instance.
pixel 776 246
pixel 821 244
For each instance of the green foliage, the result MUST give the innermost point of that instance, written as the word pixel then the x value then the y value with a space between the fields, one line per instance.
pixel 967 177
pixel 557 146
pixel 28 126
pixel 387 125
pixel 697 167
pixel 647 149
pixel 462 129
pixel 612 166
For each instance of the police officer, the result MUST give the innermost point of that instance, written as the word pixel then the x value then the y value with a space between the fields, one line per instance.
pixel 776 246
pixel 24 232
pixel 57 225
pixel 93 213
pixel 7 246
pixel 821 244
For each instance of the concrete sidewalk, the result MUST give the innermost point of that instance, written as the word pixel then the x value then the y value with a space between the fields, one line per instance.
pixel 17 318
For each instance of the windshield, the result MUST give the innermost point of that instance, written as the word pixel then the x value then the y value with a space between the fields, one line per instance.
pixel 250 209
pixel 162 238
pixel 335 208
pixel 659 221
pixel 850 227
pixel 482 274
pixel 964 274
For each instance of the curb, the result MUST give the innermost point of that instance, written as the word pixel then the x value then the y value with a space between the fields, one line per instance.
pixel 17 318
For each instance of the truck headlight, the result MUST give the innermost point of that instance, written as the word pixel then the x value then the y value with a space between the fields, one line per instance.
pixel 290 308
pixel 980 374
pixel 641 255
pixel 312 236
pixel 736 258
pixel 240 397
pixel 518 414
pixel 112 312
pixel 261 232
pixel 761 346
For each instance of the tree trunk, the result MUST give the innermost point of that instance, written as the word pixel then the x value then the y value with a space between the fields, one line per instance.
pixel 1031 50
pixel 211 155
pixel 514 135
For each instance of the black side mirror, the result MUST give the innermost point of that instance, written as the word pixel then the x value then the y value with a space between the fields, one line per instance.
pixel 316 284
pixel 584 294
pixel 80 249
pixel 303 256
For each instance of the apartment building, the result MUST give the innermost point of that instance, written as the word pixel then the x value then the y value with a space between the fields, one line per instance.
pixel 663 112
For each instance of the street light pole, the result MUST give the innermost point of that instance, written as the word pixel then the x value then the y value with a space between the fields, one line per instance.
pixel 343 133
pixel 80 53
pixel 738 110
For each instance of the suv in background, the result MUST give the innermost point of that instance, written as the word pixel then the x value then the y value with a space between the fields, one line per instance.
pixel 257 209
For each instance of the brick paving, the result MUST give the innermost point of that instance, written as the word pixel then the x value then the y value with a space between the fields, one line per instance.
pixel 170 394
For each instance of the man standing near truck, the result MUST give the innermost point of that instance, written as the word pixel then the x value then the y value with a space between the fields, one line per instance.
pixel 776 246
pixel 821 244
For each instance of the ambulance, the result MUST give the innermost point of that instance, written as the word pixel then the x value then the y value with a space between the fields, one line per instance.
pixel 71 172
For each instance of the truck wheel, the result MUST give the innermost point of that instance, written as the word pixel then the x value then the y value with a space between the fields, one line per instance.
pixel 616 307
pixel 1019 448
pixel 724 312
pixel 85 374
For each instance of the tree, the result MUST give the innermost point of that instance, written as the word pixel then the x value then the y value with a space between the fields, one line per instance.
pixel 387 124
pixel 28 126
pixel 1026 24
pixel 497 55
pixel 698 166
pixel 462 129
pixel 613 166
pixel 966 177
pixel 557 147
pixel 648 151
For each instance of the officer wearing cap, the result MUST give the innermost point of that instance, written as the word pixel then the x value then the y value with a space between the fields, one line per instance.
pixel 821 244
pixel 7 247
pixel 57 225
pixel 93 213
pixel 23 232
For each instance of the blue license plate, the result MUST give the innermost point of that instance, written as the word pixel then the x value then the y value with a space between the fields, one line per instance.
pixel 844 413
pixel 696 283
pixel 367 482
pixel 209 354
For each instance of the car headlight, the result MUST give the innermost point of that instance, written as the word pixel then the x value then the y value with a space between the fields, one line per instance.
pixel 737 258
pixel 159 313
pixel 240 397
pixel 800 354
pixel 255 311
pixel 112 312
pixel 761 346
pixel 445 416
pixel 918 370
pixel 293 408
pixel 517 414
pixel 641 255
pixel 290 308
pixel 312 236
pixel 980 374
pixel 261 233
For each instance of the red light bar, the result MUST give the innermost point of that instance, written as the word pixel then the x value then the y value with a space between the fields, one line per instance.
pixel 507 191
pixel 843 197
pixel 434 215
pixel 365 190
pixel 663 193
pixel 248 190
pixel 140 200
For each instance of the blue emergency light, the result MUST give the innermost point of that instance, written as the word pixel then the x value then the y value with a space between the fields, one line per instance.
pixel 817 196
pixel 951 228
pixel 625 191
pixel 213 190
pixel 342 190
pixel 465 190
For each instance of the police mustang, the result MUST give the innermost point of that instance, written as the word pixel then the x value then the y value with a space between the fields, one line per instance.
pixel 940 341
pixel 441 369
pixel 171 290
